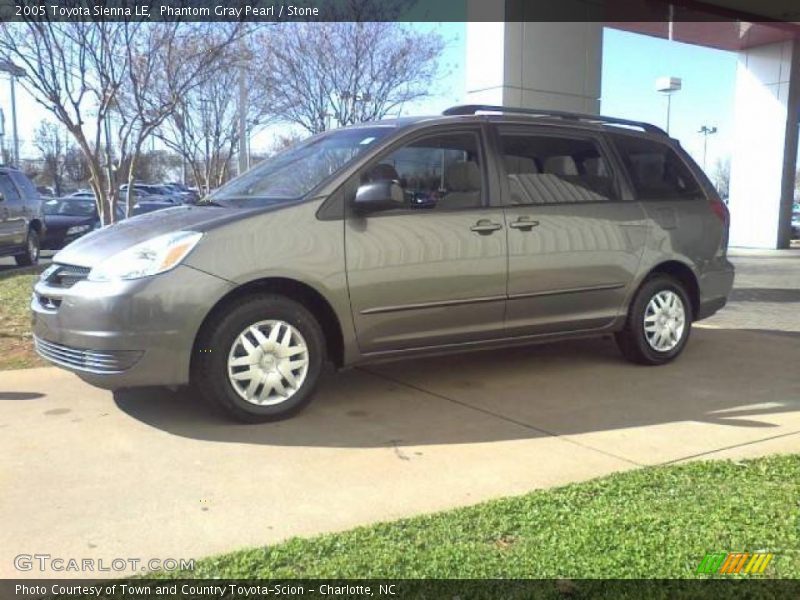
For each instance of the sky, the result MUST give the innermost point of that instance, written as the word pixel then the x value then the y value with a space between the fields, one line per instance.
pixel 631 64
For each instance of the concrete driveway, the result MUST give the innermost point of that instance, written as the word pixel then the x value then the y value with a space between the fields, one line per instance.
pixel 152 474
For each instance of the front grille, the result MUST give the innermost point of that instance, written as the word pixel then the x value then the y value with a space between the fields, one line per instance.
pixel 92 361
pixel 65 276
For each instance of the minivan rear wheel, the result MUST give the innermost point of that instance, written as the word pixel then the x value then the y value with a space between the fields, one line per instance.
pixel 31 254
pixel 260 359
pixel 658 324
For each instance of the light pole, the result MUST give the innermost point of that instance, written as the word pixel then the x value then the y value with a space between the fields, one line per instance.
pixel 668 86
pixel 706 131
pixel 14 71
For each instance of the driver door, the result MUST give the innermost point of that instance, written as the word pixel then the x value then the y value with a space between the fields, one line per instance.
pixel 432 272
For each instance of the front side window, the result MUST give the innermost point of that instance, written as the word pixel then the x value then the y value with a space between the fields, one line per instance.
pixel 656 170
pixel 440 172
pixel 548 169
pixel 293 173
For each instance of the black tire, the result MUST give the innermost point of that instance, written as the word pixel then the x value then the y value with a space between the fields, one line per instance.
pixel 632 340
pixel 210 363
pixel 32 248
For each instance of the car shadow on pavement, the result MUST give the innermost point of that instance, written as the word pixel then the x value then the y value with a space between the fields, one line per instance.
pixel 20 395
pixel 732 378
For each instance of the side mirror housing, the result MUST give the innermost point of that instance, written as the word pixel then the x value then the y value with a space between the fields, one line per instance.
pixel 379 195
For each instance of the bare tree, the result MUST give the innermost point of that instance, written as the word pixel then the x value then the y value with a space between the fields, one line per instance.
pixel 77 167
pixel 204 128
pixel 51 142
pixel 157 165
pixel 166 62
pixel 342 73
pixel 283 141
pixel 73 69
pixel 721 176
pixel 128 76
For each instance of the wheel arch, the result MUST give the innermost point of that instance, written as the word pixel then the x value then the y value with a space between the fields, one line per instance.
pixel 300 292
pixel 37 226
pixel 685 275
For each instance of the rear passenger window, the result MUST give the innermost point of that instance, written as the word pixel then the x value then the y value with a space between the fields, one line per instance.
pixel 656 170
pixel 439 172
pixel 25 186
pixel 8 189
pixel 547 169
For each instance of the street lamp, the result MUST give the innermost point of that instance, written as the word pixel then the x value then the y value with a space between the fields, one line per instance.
pixel 14 71
pixel 706 131
pixel 668 86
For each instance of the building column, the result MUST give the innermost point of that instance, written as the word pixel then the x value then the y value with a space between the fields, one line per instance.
pixel 763 163
pixel 553 66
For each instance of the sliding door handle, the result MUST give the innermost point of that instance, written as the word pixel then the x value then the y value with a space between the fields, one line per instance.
pixel 485 227
pixel 523 224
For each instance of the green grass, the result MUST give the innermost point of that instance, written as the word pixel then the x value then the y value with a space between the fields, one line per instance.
pixel 16 345
pixel 649 523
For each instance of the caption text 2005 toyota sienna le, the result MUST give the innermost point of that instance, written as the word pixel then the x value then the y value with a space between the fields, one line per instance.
pixel 481 227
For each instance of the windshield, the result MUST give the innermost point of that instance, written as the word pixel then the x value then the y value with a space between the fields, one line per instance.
pixel 291 174
pixel 76 208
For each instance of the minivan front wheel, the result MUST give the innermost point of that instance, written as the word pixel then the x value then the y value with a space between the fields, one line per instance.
pixel 261 359
pixel 658 324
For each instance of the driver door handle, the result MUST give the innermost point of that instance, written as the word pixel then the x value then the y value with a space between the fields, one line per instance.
pixel 485 227
pixel 524 224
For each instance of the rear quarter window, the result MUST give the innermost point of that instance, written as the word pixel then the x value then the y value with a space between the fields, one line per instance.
pixel 25 186
pixel 655 169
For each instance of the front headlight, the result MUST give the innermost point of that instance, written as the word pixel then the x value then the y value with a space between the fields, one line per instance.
pixel 78 229
pixel 154 256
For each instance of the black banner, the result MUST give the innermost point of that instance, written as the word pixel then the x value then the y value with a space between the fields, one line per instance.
pixel 229 589
pixel 780 12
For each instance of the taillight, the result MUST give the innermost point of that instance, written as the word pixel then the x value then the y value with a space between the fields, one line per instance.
pixel 719 208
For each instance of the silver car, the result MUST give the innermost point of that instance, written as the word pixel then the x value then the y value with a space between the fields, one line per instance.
pixel 483 227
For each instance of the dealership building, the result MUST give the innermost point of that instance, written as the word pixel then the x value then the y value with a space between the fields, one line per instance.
pixel 516 62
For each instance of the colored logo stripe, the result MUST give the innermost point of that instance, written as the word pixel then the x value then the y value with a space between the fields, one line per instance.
pixel 735 562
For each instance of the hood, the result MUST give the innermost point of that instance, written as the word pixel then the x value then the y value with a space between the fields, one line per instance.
pixel 98 245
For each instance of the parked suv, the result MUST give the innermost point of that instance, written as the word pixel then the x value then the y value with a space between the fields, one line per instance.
pixel 21 221
pixel 483 227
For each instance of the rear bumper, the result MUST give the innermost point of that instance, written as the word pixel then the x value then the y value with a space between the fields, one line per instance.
pixel 125 334
pixel 715 287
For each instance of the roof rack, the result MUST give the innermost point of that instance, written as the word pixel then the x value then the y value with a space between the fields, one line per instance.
pixel 471 109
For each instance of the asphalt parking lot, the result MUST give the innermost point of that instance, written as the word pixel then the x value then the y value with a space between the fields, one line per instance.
pixel 151 474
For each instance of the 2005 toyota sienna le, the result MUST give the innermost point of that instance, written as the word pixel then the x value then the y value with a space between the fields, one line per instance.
pixel 483 227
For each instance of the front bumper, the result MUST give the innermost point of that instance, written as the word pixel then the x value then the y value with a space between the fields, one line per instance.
pixel 125 333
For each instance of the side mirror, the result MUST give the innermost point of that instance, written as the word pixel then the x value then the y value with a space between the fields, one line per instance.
pixel 379 195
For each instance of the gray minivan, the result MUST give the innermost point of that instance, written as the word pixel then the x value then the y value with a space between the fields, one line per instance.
pixel 486 226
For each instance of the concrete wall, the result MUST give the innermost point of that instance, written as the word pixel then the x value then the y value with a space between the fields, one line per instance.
pixel 542 65
pixel 558 66
pixel 765 145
